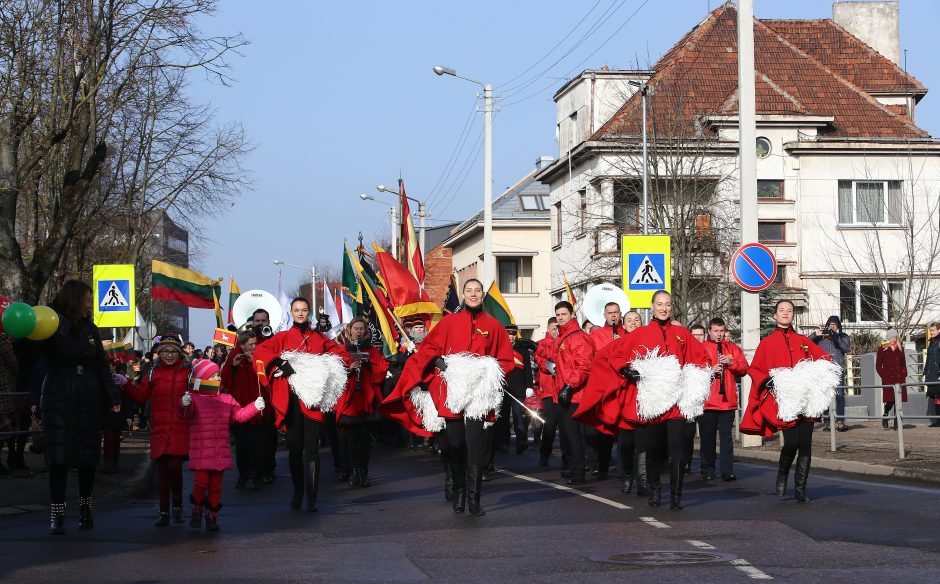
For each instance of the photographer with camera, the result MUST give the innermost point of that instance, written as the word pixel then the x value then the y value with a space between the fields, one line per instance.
pixel 832 340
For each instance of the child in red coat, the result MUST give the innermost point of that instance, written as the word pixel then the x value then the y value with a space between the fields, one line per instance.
pixel 210 414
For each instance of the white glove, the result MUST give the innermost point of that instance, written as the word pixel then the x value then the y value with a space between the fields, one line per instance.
pixel 187 399
pixel 529 392
pixel 259 403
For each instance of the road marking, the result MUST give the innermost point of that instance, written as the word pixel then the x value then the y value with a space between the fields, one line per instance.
pixel 700 544
pixel 654 523
pixel 566 488
pixel 750 570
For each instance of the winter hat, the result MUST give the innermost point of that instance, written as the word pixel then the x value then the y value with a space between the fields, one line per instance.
pixel 168 342
pixel 891 334
pixel 834 319
pixel 204 369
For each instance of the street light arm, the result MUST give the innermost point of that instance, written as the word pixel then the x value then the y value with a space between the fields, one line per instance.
pixel 453 73
pixel 385 189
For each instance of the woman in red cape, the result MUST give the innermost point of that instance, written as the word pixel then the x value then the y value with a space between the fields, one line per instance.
pixel 471 330
pixel 304 425
pixel 782 348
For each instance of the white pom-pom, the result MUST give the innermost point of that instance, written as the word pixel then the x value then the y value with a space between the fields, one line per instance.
pixel 805 389
pixel 474 384
pixel 318 380
pixel 660 386
pixel 425 407
pixel 696 387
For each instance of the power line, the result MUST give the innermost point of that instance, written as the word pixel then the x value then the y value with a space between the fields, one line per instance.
pixel 442 179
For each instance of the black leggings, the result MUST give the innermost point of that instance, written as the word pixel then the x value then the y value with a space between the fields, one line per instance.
pixel 798 438
pixel 170 479
pixel 358 442
pixel 666 437
pixel 303 441
pixel 58 481
pixel 628 444
pixel 466 441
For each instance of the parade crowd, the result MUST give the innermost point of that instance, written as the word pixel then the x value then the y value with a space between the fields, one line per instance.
pixel 461 389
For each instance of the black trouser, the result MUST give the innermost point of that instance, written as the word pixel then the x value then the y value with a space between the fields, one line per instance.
pixel 501 433
pixel 662 438
pixel 357 443
pixel 249 450
pixel 629 445
pixel 551 411
pixel 689 433
pixel 303 442
pixel 799 437
pixel 520 423
pixel 466 441
pixel 269 451
pixel 710 423
pixel 573 431
pixel 598 448
pixel 332 437
pixel 59 478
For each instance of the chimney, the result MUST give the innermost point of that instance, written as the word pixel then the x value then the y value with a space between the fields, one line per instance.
pixel 543 162
pixel 874 23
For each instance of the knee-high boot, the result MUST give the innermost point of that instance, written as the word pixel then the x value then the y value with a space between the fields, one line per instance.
pixel 312 484
pixel 57 518
pixel 85 518
pixel 675 485
pixel 783 471
pixel 459 473
pixel 474 488
pixel 802 473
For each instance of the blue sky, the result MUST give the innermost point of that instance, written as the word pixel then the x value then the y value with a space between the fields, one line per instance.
pixel 339 97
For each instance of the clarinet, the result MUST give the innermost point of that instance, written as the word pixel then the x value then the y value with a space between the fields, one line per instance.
pixel 721 388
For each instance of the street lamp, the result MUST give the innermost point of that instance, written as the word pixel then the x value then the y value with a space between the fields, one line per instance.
pixel 422 213
pixel 487 170
pixel 393 214
pixel 644 90
pixel 313 280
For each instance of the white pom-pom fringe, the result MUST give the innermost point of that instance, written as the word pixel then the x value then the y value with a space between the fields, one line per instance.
pixel 425 407
pixel 318 380
pixel 697 386
pixel 474 384
pixel 805 389
pixel 660 386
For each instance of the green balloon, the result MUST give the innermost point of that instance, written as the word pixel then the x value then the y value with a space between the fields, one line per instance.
pixel 19 320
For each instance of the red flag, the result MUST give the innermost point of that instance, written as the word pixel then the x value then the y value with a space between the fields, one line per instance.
pixel 224 337
pixel 411 251
pixel 406 296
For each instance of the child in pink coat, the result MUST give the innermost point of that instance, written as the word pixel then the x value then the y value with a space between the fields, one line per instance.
pixel 210 414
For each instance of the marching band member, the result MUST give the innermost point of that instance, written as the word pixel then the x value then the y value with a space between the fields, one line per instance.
pixel 241 382
pixel 598 444
pixel 544 358
pixel 278 360
pixel 355 410
pixel 729 364
pixel 792 383
pixel 573 353
pixel 466 391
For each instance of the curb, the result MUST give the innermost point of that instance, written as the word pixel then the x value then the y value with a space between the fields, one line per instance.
pixel 848 466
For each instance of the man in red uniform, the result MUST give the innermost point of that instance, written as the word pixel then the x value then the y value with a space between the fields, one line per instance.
pixel 573 354
pixel 598 444
pixel 551 411
pixel 729 364
pixel 240 380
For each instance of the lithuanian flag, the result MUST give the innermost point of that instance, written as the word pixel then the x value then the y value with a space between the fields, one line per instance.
pixel 568 291
pixel 379 305
pixel 233 293
pixel 184 286
pixel 496 305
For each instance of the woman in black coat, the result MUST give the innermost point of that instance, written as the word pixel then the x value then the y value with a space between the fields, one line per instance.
pixel 77 392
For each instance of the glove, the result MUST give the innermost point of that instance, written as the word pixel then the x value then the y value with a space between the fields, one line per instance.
pixel 285 369
pixel 768 384
pixel 564 395
pixel 631 374
pixel 529 392
pixel 187 399
pixel 423 386
pixel 440 364
pixel 259 403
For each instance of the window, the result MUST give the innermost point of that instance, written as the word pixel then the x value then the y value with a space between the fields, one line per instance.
pixel 870 300
pixel 769 189
pixel 781 278
pixel 558 239
pixel 771 231
pixel 177 244
pixel 515 275
pixel 869 202
pixel 627 205
pixel 582 210
pixel 535 202
pixel 763 147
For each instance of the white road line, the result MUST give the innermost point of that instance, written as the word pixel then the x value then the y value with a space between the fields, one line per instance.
pixel 652 521
pixel 566 488
pixel 750 570
pixel 700 544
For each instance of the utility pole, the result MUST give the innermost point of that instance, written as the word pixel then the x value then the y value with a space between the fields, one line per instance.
pixel 488 267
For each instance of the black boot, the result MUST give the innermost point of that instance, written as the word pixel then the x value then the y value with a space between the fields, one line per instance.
pixel 212 517
pixel 448 481
pixel 642 489
pixel 655 497
pixel 627 487
pixel 783 471
pixel 196 520
pixel 178 514
pixel 57 518
pixel 675 493
pixel 85 519
pixel 460 487
pixel 164 519
pixel 364 477
pixel 474 487
pixel 799 481
pixel 312 484
pixel 575 476
pixel 355 477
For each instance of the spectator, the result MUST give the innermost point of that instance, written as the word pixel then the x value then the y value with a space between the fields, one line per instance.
pixel 891 365
pixel 932 372
pixel 832 340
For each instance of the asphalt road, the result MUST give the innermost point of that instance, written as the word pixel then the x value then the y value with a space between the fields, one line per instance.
pixel 402 530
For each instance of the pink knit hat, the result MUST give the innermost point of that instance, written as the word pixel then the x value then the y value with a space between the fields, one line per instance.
pixel 204 369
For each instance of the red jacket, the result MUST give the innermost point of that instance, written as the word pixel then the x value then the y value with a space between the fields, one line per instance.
pixel 242 383
pixel 601 403
pixel 210 415
pixel 731 373
pixel 292 339
pixel 781 348
pixel 461 332
pixel 360 403
pixel 573 354
pixel 164 386
pixel 546 352
pixel 666 339
pixel 891 366
pixel 601 336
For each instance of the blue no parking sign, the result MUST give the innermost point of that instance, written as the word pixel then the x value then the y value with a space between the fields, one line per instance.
pixel 754 267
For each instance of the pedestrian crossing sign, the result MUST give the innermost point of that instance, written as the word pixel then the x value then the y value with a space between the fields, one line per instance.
pixel 646 266
pixel 114 296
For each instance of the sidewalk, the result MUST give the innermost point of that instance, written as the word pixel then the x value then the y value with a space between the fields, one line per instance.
pixel 867 449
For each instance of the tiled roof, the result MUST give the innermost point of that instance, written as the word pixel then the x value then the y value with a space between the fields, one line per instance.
pixel 509 206
pixel 699 77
